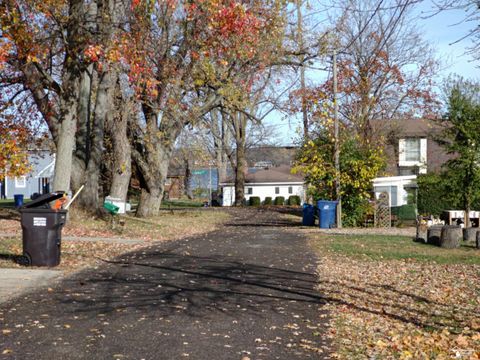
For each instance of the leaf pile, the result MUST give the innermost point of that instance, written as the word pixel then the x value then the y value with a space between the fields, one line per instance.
pixel 401 309
pixel 102 242
pixel 168 225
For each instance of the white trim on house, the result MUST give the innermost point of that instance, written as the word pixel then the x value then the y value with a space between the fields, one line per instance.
pixel 266 184
pixel 421 163
pixel 21 182
pixel 47 171
pixel 395 186
pixel 263 190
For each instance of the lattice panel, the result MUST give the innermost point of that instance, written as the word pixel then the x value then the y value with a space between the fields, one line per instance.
pixel 383 216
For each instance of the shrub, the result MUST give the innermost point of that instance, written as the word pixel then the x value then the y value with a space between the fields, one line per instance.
pixel 268 201
pixel 435 195
pixel 404 212
pixel 279 200
pixel 294 200
pixel 254 201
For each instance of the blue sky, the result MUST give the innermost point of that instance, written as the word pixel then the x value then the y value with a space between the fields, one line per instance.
pixel 443 31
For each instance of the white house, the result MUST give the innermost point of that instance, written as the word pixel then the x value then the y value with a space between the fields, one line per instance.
pixel 36 181
pixel 397 187
pixel 267 182
pixel 412 160
pixel 411 151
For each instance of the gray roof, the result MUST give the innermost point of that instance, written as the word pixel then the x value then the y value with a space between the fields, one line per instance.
pixel 274 175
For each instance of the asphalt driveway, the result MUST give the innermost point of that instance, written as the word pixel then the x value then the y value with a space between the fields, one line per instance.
pixel 244 291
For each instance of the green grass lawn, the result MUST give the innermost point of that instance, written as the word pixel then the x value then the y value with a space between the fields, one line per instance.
pixel 7 203
pixel 182 203
pixel 10 203
pixel 381 247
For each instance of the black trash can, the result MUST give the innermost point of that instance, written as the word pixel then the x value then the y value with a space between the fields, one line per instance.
pixel 308 218
pixel 42 231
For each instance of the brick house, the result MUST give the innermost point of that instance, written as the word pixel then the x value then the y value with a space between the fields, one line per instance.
pixel 411 150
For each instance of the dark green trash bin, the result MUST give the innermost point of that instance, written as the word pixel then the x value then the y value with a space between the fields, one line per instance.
pixel 42 231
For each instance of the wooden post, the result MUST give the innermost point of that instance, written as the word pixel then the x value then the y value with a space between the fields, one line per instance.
pixel 337 143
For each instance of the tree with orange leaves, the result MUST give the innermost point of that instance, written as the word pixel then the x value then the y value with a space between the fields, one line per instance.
pixel 13 152
pixel 71 59
pixel 42 62
pixel 194 57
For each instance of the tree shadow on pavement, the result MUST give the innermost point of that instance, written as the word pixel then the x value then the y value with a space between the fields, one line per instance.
pixel 198 286
pixel 171 283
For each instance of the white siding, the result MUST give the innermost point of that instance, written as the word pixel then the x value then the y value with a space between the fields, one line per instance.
pixel 399 183
pixel 423 156
pixel 401 151
pixel 228 195
pixel 422 164
pixel 263 191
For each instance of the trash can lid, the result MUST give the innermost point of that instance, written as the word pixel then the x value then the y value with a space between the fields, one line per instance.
pixel 44 199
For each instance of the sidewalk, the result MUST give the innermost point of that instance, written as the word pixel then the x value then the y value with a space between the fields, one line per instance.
pixel 84 238
pixel 14 282
pixel 246 290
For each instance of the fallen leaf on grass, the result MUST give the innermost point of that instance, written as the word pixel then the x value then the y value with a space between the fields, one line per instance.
pixel 400 308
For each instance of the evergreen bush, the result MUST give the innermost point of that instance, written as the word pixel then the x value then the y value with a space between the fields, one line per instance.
pixel 254 201
pixel 294 200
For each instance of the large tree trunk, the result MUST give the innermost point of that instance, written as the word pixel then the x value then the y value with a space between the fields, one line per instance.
pixel 222 162
pixel 122 151
pixel 224 151
pixel 152 153
pixel 187 180
pixel 82 136
pixel 90 137
pixel 241 161
pixel 221 140
pixel 153 148
pixel 65 143
pixel 150 201
pixel 90 198
pixel 154 174
pixel 81 15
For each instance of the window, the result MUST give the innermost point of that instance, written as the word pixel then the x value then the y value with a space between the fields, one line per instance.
pixel 408 170
pixel 21 182
pixel 249 191
pixel 392 193
pixel 290 190
pixel 277 190
pixel 412 150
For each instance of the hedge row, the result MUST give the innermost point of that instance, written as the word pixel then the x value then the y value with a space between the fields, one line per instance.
pixel 293 200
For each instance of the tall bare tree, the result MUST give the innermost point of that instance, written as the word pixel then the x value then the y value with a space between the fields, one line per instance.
pixel 385 67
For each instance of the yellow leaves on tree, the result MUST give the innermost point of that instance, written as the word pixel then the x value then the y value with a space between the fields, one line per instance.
pixel 13 157
pixel 358 166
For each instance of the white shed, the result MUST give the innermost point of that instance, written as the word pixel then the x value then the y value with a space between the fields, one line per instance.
pixel 270 182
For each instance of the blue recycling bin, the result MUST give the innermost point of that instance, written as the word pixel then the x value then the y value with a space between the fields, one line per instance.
pixel 327 213
pixel 18 198
pixel 308 215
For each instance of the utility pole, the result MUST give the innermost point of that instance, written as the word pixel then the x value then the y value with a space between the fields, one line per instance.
pixel 337 142
pixel 210 183
pixel 302 68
